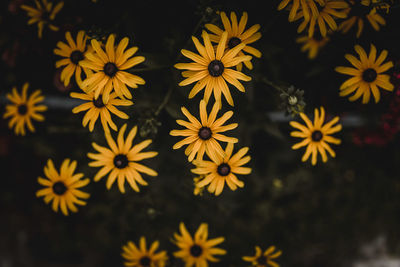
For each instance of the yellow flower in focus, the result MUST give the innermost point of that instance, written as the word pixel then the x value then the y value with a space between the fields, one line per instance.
pixel 211 69
pixel 73 53
pixel 264 259
pixel 223 169
pixel 43 14
pixel 110 67
pixel 316 136
pixel 198 250
pixel 367 75
pixel 121 160
pixel 201 136
pixel 237 35
pixel 62 187
pixel 96 108
pixel 140 256
pixel 23 109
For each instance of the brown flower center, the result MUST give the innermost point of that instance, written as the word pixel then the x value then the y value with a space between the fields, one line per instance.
pixel 120 161
pixel 145 261
pixel 369 75
pixel 110 69
pixel 262 260
pixel 223 169
pixel 316 136
pixel 196 251
pixel 22 109
pixel 59 188
pixel 216 68
pixel 98 103
pixel 234 41
pixel 205 133
pixel 76 56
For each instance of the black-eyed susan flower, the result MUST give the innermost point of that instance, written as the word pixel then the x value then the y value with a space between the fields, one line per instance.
pixel 110 67
pixel 211 69
pixel 201 136
pixel 24 109
pixel 121 160
pixel 236 35
pixel 367 75
pixel 43 14
pixel 264 259
pixel 197 251
pixel 223 169
pixel 73 53
pixel 359 12
pixel 62 187
pixel 95 108
pixel 140 256
pixel 308 7
pixel 316 135
pixel 325 19
pixel 312 44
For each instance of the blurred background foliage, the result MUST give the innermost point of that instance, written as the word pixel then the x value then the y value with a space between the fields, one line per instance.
pixel 318 216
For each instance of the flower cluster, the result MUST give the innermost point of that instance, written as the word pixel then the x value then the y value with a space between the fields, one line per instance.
pixel 212 70
pixel 327 17
pixel 195 250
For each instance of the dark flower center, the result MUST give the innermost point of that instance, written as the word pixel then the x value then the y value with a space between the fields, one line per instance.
pixel 98 103
pixel 76 56
pixel 205 133
pixel 110 69
pixel 316 136
pixel 121 161
pixel 262 260
pixel 369 75
pixel 318 37
pixel 196 251
pixel 22 109
pixel 359 10
pixel 234 41
pixel 45 15
pixel 59 188
pixel 145 261
pixel 223 169
pixel 216 68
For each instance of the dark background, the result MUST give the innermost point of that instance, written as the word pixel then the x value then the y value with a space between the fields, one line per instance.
pixel 318 216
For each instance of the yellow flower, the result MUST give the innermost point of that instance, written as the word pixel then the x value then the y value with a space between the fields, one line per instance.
pixel 198 250
pixel 359 11
pixel 110 69
pixel 367 75
pixel 306 7
pixel 316 136
pixel 24 109
pixel 236 35
pixel 223 169
pixel 211 69
pixel 312 44
pixel 62 187
pixel 201 136
pixel 73 53
pixel 121 161
pixel 97 108
pixel 330 10
pixel 265 259
pixel 141 256
pixel 43 14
